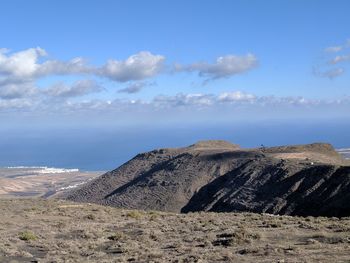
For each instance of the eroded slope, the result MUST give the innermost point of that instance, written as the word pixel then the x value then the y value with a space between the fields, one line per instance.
pixel 218 176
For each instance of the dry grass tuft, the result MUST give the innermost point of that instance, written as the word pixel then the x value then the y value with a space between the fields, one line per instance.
pixel 27 236
pixel 134 214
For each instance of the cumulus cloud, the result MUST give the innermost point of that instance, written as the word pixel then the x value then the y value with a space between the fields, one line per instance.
pixel 79 88
pixel 223 67
pixel 137 67
pixel 26 66
pixel 22 64
pixel 19 72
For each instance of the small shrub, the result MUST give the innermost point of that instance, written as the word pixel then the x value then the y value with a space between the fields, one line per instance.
pixel 324 238
pixel 240 236
pixel 153 213
pixel 91 217
pixel 275 224
pixel 134 214
pixel 116 236
pixel 27 236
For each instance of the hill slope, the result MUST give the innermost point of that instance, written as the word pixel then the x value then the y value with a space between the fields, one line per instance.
pixel 41 230
pixel 218 176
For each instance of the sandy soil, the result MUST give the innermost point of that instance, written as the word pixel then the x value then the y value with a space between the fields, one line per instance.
pixel 26 182
pixel 37 230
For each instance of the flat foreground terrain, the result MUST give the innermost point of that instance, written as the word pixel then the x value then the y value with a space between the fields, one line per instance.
pixel 38 230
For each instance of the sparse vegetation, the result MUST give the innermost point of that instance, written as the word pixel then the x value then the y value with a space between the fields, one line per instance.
pixel 134 214
pixel 68 232
pixel 91 217
pixel 116 236
pixel 27 236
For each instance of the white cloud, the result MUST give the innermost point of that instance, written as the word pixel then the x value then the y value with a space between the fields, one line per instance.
pixel 26 66
pixel 15 91
pixel 19 72
pixel 23 64
pixel 231 99
pixel 190 107
pixel 79 88
pixel 137 67
pixel 183 100
pixel 236 96
pixel 16 104
pixel 224 66
pixel 76 65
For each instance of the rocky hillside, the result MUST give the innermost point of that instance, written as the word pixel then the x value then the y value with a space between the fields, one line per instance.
pixel 219 176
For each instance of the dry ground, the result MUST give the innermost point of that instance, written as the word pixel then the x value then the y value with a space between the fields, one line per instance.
pixel 25 183
pixel 37 230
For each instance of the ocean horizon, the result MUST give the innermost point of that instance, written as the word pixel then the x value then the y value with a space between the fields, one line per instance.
pixel 101 148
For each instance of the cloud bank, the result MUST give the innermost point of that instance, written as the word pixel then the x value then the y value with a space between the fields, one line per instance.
pixel 229 101
pixel 79 88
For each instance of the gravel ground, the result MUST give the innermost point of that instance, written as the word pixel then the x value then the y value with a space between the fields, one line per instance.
pixel 38 230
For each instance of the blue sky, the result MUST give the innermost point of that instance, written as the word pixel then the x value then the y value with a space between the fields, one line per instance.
pixel 194 60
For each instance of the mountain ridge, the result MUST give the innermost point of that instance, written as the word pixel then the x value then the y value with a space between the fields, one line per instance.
pixel 222 177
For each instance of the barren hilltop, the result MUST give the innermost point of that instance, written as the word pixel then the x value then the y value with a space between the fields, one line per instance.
pixel 218 176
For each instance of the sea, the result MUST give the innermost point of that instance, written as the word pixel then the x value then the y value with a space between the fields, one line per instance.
pixel 102 148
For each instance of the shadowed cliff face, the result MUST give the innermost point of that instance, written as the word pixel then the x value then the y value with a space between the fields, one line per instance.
pixel 277 188
pixel 219 176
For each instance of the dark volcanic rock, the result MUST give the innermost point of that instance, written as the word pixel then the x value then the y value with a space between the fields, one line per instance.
pixel 219 176
pixel 277 189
